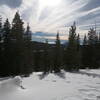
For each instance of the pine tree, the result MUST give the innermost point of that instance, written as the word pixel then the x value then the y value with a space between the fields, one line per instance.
pixel 17 28
pixel 85 41
pixel 92 40
pixel 78 42
pixel 28 54
pixel 98 52
pixel 37 60
pixel 17 46
pixel 1 29
pixel 78 56
pixel 6 46
pixel 71 51
pixel 46 58
pixel 92 37
pixel 27 35
pixel 1 55
pixel 57 55
pixel 6 31
pixel 84 52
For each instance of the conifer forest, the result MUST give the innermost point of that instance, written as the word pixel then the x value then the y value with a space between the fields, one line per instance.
pixel 19 55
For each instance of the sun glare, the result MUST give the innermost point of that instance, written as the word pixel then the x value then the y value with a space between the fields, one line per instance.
pixel 49 3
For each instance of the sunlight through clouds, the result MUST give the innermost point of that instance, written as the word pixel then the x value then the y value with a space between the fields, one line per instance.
pixel 49 3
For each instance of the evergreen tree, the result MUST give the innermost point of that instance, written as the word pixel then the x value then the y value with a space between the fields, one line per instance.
pixel 6 32
pixel 17 49
pixel 71 51
pixel 57 55
pixel 78 42
pixel 46 58
pixel 27 35
pixel 98 52
pixel 84 52
pixel 1 29
pixel 1 55
pixel 92 37
pixel 17 28
pixel 92 40
pixel 78 56
pixel 6 46
pixel 85 41
pixel 28 54
pixel 37 60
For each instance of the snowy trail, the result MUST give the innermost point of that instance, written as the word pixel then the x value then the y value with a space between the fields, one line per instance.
pixel 52 87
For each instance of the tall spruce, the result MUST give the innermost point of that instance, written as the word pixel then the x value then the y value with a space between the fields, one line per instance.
pixel 84 52
pixel 79 53
pixel 98 52
pixel 78 42
pixel 27 35
pixel 57 54
pixel 46 58
pixel 28 54
pixel 17 28
pixel 1 55
pixel 71 51
pixel 85 41
pixel 6 46
pixel 92 38
pixel 6 31
pixel 17 48
pixel 1 29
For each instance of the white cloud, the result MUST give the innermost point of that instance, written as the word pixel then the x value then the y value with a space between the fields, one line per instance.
pixel 53 18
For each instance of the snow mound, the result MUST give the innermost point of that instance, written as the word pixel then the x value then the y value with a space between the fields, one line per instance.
pixel 11 83
pixel 17 80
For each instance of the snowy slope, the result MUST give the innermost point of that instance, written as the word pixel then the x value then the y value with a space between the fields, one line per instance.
pixel 52 87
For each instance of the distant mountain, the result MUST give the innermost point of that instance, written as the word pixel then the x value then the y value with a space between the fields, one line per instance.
pixel 42 36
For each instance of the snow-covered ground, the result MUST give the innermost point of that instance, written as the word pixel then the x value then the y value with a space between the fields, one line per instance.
pixel 92 71
pixel 74 86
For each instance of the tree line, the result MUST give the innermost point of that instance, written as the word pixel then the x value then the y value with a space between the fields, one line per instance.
pixel 19 55
pixel 15 47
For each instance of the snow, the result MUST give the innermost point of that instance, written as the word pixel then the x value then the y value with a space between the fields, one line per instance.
pixel 72 86
pixel 92 71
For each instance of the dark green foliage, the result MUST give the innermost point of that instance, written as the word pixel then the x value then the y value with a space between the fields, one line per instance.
pixel 6 46
pixel 1 46
pixel 0 29
pixel 19 55
pixel 72 54
pixel 28 55
pixel 57 55
pixel 84 52
pixel 15 49
pixel 46 58
pixel 90 51
pixel 85 41
pixel 6 31
pixel 17 44
pixel 92 37
pixel 37 60
pixel 79 53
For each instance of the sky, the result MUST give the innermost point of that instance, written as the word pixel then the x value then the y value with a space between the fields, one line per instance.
pixel 47 17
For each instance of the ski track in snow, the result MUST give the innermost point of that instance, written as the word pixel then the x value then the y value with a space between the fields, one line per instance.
pixel 74 86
